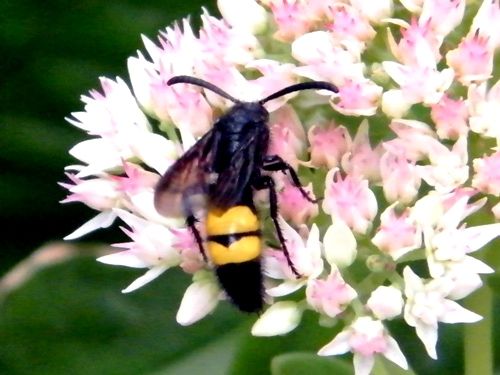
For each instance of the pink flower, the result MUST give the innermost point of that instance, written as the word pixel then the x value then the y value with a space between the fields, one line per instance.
pixel 287 135
pixel 135 180
pixel 485 110
pixel 137 188
pixel 472 60
pixel 420 83
pixel 293 206
pixel 122 129
pixel 486 22
pixel 350 199
pixel 274 75
pixel 487 174
pixel 415 37
pixel 304 254
pixel 187 107
pixel 398 233
pixel 365 337
pixel 98 193
pixel 450 116
pixel 400 181
pixel 294 18
pixel 414 139
pixel 330 296
pixel 184 242
pixel 361 159
pixel 448 169
pixel 224 45
pixel 442 15
pixel 151 247
pixel 324 58
pixel 149 78
pixel 358 98
pixel 328 145
pixel 348 23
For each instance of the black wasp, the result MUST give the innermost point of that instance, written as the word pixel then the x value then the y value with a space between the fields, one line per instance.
pixel 218 176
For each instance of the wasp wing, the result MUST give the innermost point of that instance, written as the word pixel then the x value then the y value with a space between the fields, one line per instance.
pixel 183 188
pixel 233 182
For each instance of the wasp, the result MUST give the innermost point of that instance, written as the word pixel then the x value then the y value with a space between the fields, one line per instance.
pixel 218 176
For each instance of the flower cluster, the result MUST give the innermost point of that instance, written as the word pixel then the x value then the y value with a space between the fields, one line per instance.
pixel 402 155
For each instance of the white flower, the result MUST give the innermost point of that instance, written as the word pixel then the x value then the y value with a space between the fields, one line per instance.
pixel 123 131
pixel 304 255
pixel 152 247
pixel 339 244
pixel 200 298
pixel 385 302
pixel 246 14
pixel 426 305
pixel 279 319
pixel 365 337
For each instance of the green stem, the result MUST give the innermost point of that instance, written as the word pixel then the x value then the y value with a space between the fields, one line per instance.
pixel 385 367
pixel 170 130
pixel 478 344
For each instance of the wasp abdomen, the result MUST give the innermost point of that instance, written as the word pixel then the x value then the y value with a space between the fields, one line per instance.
pixel 234 245
pixel 233 235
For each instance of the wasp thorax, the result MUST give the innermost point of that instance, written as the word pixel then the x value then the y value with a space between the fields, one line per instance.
pixel 243 115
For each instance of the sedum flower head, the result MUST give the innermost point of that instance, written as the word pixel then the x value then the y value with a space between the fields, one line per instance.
pixel 401 156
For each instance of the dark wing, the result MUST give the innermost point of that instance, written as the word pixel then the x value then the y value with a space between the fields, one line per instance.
pixel 233 182
pixel 183 188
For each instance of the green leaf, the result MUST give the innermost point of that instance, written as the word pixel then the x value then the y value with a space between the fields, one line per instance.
pixel 72 318
pixel 254 354
pixel 309 363
pixel 213 358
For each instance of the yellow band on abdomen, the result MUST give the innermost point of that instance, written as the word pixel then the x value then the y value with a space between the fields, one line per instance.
pixel 242 250
pixel 237 219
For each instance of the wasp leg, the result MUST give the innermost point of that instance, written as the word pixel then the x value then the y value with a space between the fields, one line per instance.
pixel 274 163
pixel 266 182
pixel 191 221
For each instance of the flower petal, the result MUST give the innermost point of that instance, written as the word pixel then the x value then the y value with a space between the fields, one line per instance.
pixel 199 300
pixel 340 244
pixel 363 364
pixel 454 313
pixel 428 335
pixel 150 275
pixel 339 345
pixel 285 288
pixel 279 319
pixel 102 220
pixel 123 258
pixel 394 354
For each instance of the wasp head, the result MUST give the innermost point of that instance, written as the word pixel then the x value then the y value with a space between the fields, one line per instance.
pixel 242 116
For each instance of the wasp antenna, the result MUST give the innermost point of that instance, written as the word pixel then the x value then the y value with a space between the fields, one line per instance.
pixel 199 82
pixel 312 85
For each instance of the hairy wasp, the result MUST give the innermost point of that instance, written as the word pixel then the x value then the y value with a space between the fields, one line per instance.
pixel 218 176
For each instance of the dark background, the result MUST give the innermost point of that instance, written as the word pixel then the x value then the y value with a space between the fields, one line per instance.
pixel 51 53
